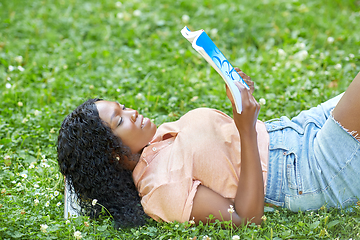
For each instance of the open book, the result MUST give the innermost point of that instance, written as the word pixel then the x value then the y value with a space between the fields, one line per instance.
pixel 205 46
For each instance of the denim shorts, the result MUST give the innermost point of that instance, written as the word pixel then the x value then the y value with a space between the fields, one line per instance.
pixel 313 161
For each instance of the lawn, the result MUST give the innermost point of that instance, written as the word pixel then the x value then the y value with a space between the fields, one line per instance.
pixel 56 54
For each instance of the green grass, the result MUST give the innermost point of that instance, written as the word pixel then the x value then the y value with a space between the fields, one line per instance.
pixel 134 53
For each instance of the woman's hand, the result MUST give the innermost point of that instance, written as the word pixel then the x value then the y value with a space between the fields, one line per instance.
pixel 246 78
pixel 246 121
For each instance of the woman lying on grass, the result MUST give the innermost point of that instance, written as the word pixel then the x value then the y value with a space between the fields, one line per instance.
pixel 194 167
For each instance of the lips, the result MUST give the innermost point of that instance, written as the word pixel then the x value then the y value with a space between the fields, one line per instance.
pixel 143 122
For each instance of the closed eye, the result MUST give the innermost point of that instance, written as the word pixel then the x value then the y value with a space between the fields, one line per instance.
pixel 121 119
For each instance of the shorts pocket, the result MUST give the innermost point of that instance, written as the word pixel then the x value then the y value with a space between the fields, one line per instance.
pixel 305 202
pixel 291 170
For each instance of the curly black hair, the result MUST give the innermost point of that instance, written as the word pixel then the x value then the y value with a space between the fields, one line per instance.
pixel 90 157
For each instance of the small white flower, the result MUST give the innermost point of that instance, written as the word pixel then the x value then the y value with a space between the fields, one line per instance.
pixel 235 237
pixel 67 222
pixel 36 202
pixel 264 218
pixel 338 66
pixel 19 59
pixel 119 15
pixel 137 51
pixel 311 73
pixel 21 69
pixel 351 56
pixel 36 112
pixel 24 120
pixel 302 45
pixel 303 8
pixel 118 4
pixel 18 185
pixel 52 130
pixel 56 193
pixel 185 18
pixel 20 104
pixel 94 202
pixel 36 185
pixel 301 55
pixel 139 96
pixel 11 68
pixel 8 85
pixel 58 204
pixel 43 227
pixel 24 175
pixel 281 52
pixel 47 204
pixel 57 176
pixel 193 99
pixel 51 196
pixel 330 40
pixel 77 235
pixel 213 32
pixel 137 13
pixel 192 222
pixel 206 237
pixel 262 101
pixel 44 165
pixel 231 209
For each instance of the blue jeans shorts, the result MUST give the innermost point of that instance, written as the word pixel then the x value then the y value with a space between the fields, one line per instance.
pixel 313 161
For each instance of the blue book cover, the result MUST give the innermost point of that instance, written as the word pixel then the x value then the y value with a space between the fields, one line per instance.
pixel 202 43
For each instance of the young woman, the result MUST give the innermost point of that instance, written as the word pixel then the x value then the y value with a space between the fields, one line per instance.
pixel 198 166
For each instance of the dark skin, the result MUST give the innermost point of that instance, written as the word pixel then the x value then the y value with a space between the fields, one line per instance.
pixel 249 200
pixel 347 112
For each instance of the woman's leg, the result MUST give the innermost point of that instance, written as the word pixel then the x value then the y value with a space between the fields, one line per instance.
pixel 347 111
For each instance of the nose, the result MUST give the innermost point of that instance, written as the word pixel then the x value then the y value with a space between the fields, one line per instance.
pixel 134 115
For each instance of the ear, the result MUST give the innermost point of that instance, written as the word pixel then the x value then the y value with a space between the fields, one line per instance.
pixel 122 159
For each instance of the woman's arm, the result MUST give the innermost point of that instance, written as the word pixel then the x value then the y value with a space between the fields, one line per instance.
pixel 249 200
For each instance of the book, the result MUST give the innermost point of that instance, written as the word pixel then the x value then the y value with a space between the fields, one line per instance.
pixel 202 43
pixel 71 206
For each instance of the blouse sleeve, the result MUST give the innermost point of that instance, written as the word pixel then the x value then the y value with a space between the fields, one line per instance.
pixel 171 201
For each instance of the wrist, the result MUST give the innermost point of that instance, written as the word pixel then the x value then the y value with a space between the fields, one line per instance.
pixel 247 132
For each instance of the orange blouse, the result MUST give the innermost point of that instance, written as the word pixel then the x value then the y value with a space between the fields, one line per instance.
pixel 202 147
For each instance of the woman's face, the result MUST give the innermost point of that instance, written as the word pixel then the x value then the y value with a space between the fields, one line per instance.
pixel 133 129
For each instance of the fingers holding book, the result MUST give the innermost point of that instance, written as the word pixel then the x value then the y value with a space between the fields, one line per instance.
pixel 246 121
pixel 246 78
